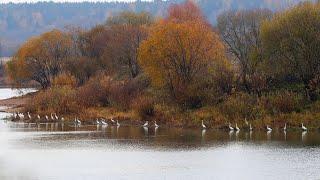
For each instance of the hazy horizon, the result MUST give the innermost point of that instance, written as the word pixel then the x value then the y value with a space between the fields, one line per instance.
pixel 61 1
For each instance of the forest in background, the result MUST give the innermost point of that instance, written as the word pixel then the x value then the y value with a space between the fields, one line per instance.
pixel 255 66
pixel 18 22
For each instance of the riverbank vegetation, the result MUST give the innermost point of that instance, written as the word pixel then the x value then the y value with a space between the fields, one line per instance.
pixel 254 66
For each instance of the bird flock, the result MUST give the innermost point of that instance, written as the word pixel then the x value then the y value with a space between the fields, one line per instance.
pixel 268 128
pixel 103 122
pixel 53 117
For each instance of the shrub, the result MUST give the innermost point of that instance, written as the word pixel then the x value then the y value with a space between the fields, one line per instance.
pixel 59 100
pixel 282 102
pixel 240 106
pixel 95 92
pixel 64 79
pixel 143 106
pixel 123 92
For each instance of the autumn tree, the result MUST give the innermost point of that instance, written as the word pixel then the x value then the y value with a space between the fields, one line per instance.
pixel 40 58
pixel 291 41
pixel 187 11
pixel 240 30
pixel 127 30
pixel 179 55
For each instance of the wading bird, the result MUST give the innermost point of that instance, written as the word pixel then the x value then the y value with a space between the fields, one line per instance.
pixel 52 118
pixel 230 127
pixel 269 128
pixel 103 122
pixel 203 126
pixel 146 124
pixel 237 128
pixel 303 127
pixel 155 124
pixel 29 115
pixel 55 115
pixel 77 121
pixel 118 124
pixel 112 120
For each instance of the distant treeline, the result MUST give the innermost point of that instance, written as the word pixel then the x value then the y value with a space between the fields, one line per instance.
pixel 19 22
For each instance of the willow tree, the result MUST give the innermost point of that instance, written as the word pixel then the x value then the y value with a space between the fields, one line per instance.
pixel 40 58
pixel 179 55
pixel 291 41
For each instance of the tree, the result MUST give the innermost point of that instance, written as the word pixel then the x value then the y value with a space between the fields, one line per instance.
pixel 179 55
pixel 187 11
pixel 240 31
pixel 41 58
pixel 127 31
pixel 291 42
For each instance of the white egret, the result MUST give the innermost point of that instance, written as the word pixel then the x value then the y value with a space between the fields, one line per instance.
pixel 269 128
pixel 146 124
pixel 237 128
pixel 155 124
pixel 203 126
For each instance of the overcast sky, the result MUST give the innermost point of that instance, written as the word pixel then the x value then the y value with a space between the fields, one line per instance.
pixel 20 1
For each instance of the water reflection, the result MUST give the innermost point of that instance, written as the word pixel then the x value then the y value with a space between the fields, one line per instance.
pixel 95 150
pixel 304 136
pixel 269 133
pixel 167 136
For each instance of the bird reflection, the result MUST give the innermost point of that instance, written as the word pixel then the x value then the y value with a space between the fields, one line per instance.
pixel 304 136
pixel 156 131
pixel 146 131
pixel 230 135
pixel 285 135
pixel 237 134
pixel 56 127
pixel 104 127
pixel 203 132
pixel 269 135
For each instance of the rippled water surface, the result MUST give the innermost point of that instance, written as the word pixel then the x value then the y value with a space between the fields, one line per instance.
pixel 63 151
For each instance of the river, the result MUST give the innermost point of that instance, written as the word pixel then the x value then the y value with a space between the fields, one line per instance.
pixel 57 151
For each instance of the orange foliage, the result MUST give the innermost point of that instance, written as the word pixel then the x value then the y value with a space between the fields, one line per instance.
pixel 179 55
pixel 40 58
pixel 187 11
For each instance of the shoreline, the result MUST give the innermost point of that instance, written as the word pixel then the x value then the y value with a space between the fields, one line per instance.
pixel 17 104
pixel 14 104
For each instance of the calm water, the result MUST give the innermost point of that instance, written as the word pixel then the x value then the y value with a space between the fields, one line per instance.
pixel 62 151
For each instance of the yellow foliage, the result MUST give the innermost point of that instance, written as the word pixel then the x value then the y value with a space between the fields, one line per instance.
pixel 179 50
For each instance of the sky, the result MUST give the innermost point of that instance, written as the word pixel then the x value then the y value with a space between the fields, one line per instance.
pixel 21 1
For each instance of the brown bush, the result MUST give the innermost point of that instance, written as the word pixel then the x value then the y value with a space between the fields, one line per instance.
pixel 60 100
pixel 95 92
pixel 65 79
pixel 282 102
pixel 240 106
pixel 143 106
pixel 123 92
